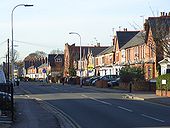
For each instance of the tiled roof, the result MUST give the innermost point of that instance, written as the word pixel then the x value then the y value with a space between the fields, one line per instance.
pixel 124 36
pixel 107 50
pixel 95 50
pixel 51 58
pixel 159 26
pixel 138 39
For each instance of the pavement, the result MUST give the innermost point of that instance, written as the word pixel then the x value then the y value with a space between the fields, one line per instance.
pixel 149 97
pixel 134 95
pixel 29 114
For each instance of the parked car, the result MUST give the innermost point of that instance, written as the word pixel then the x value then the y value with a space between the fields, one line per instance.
pixel 85 80
pixel 90 80
pixel 114 82
pixel 2 77
pixel 93 82
pixel 5 101
pixel 105 78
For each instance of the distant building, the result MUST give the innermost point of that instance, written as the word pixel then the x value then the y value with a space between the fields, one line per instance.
pixel 72 57
pixel 31 64
pixel 56 64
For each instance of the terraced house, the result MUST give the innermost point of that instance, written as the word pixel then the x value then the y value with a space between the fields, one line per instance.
pixel 72 59
pixel 145 48
pixel 109 61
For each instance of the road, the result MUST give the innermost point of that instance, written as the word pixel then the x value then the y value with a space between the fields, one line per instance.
pixel 94 108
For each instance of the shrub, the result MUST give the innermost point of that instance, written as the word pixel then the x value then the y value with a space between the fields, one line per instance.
pixel 159 84
pixel 128 74
pixel 72 71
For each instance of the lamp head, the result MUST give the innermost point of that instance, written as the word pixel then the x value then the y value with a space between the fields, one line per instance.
pixel 28 5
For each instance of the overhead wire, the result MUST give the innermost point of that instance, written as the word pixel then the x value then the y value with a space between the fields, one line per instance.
pixel 34 44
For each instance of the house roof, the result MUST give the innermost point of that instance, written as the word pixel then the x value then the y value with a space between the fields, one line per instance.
pixel 159 25
pixel 124 36
pixel 107 50
pixel 164 61
pixel 51 58
pixel 138 39
pixel 94 50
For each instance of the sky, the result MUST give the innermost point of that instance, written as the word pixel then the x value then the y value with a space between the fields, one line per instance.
pixel 46 25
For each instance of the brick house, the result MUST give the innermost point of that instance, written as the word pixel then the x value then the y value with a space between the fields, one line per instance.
pixel 104 61
pixel 31 72
pixel 56 64
pixel 109 61
pixel 72 57
pixel 88 60
pixel 43 71
pixel 121 38
pixel 142 51
pixel 31 64
pixel 137 52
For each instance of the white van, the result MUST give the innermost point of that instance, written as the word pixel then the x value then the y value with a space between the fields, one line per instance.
pixel 2 77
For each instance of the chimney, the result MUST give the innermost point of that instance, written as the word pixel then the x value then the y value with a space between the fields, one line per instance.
pixel 163 13
pixel 125 29
pixel 146 25
pixel 98 44
pixel 169 14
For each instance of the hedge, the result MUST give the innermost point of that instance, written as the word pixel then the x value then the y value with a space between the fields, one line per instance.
pixel 159 85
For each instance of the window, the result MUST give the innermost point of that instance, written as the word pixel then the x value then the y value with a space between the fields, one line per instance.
pixel 58 60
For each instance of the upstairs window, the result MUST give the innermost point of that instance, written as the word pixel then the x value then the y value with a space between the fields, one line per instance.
pixel 58 60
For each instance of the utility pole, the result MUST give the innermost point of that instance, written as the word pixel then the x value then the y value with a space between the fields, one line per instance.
pixel 8 59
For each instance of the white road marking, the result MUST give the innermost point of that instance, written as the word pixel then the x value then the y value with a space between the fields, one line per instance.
pixel 27 96
pixel 103 102
pixel 123 108
pixel 38 99
pixel 84 96
pixel 153 118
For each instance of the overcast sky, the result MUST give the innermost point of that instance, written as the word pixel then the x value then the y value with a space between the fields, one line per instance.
pixel 47 24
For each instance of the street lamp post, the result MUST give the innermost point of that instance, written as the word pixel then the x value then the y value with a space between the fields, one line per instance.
pixel 80 57
pixel 12 32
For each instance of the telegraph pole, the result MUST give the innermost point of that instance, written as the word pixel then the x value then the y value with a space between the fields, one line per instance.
pixel 8 60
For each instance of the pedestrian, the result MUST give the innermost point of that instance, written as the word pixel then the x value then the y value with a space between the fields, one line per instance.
pixel 63 80
pixel 130 86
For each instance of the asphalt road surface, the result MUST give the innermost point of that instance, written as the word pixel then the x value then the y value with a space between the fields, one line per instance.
pixel 94 108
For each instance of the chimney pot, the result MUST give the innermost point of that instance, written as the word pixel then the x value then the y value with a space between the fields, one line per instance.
pixel 163 13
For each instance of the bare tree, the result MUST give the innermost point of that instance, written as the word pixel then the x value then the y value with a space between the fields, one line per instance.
pixel 160 27
pixel 15 55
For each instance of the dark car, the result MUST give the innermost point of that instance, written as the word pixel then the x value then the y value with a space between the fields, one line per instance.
pixel 5 101
pixel 114 82
pixel 105 78
pixel 90 80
